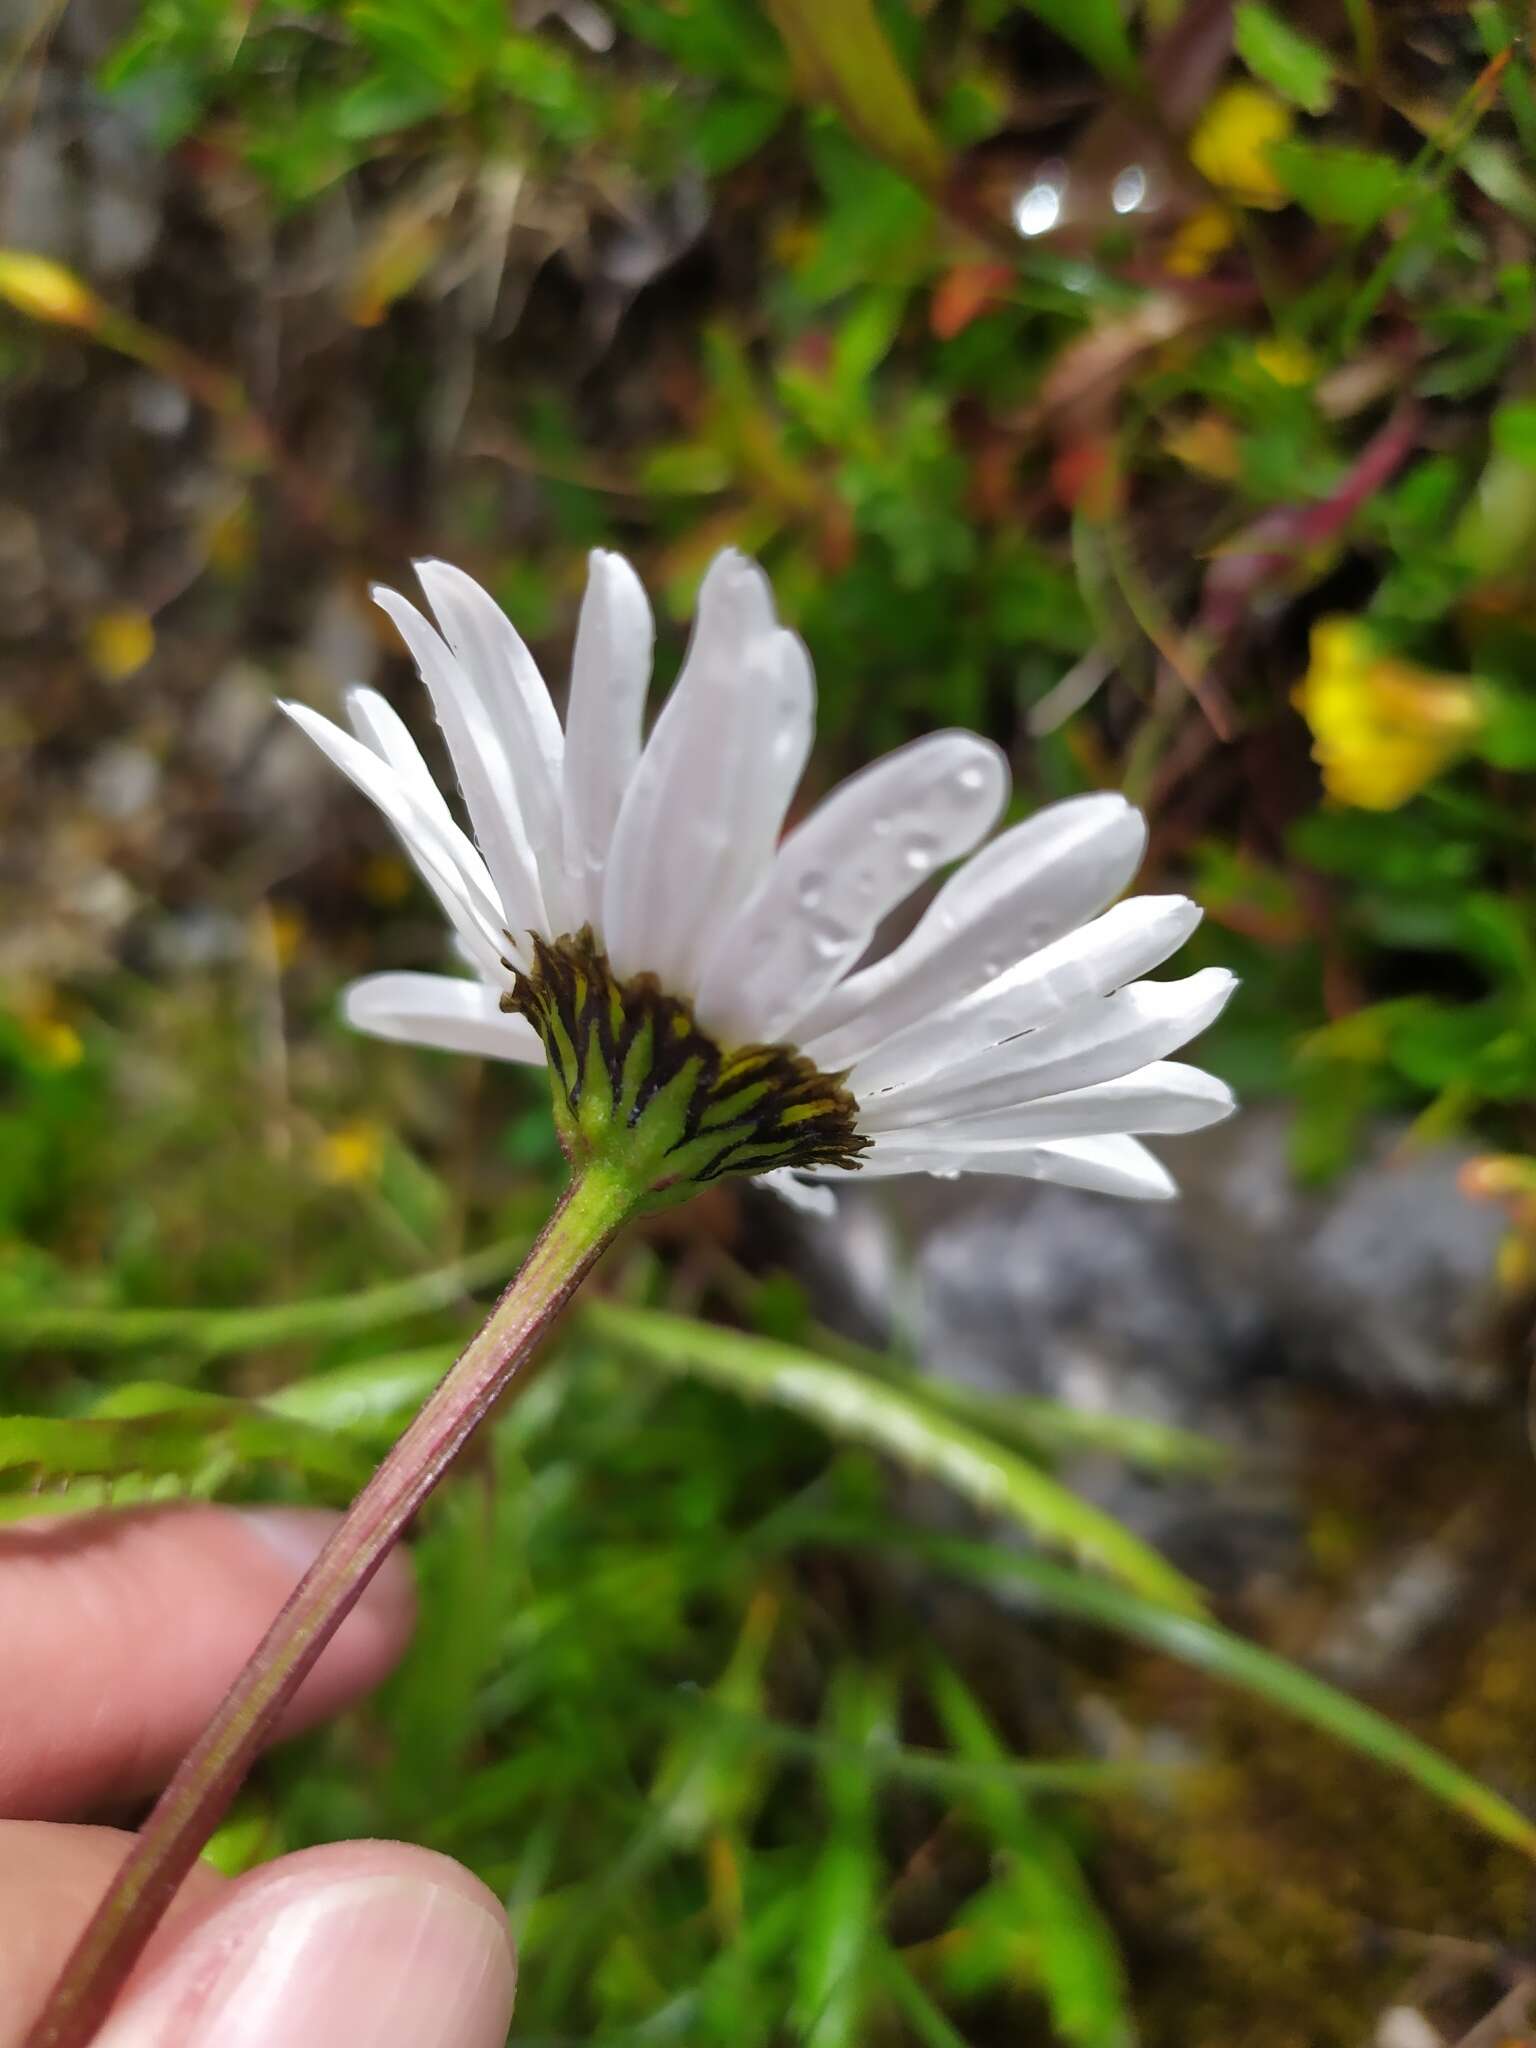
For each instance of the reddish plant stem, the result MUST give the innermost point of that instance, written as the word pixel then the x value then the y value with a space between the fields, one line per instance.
pixel 590 1212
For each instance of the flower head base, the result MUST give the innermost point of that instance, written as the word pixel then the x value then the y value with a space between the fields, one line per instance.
pixel 638 1082
pixel 709 990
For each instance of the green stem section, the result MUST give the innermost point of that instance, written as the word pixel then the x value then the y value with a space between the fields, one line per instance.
pixel 594 1206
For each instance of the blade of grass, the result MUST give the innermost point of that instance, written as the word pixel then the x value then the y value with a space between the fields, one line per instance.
pixel 841 54
pixel 1096 30
pixel 935 1769
pixel 853 1407
pixel 1204 1646
pixel 212 1333
pixel 1040 1887
pixel 928 2024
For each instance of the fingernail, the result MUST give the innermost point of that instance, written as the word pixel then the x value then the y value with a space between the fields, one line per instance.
pixel 382 1961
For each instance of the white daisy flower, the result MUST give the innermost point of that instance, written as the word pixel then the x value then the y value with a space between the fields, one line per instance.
pixel 632 914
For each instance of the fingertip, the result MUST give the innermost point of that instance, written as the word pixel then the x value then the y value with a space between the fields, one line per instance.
pixel 372 1943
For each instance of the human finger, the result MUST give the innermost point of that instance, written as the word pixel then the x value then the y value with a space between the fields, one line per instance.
pixel 122 1632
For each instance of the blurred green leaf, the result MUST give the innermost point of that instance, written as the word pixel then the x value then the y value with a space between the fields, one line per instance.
pixel 1095 28
pixel 1207 1647
pixel 855 1408
pixel 1497 528
pixel 840 1899
pixel 161 1431
pixel 710 1775
pixel 936 1769
pixel 386 102
pixel 730 127
pixel 1050 1429
pixel 367 1397
pixel 841 55
pixel 212 1333
pixel 1339 184
pixel 1514 430
pixel 1286 60
pixel 1038 1900
pixel 1509 738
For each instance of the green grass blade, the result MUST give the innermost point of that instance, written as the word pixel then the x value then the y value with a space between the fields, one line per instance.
pixel 1037 1890
pixel 1207 1647
pixel 1094 28
pixel 857 1408
pixel 212 1333
pixel 841 54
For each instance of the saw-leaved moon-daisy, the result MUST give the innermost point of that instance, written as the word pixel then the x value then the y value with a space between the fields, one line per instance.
pixel 632 911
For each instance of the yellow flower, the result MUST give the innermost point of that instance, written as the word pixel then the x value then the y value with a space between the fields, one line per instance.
pixel 1382 728
pixel 119 643
pixel 1231 143
pixel 45 290
pixel 1199 241
pixel 53 1040
pixel 351 1156
pixel 1287 362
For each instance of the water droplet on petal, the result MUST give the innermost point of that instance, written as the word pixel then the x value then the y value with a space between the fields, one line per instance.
pixel 971 780
pixel 811 888
pixel 920 852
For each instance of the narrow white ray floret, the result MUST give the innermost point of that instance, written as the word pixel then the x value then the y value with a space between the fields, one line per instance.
pixel 1009 1032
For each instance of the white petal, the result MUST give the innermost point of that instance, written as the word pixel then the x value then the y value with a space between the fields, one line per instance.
pixel 700 819
pixel 481 763
pixel 1027 888
pixel 835 877
pixel 1108 1165
pixel 809 1197
pixel 475 916
pixel 610 673
pixel 378 725
pixel 507 678
pixel 1100 1038
pixel 382 729
pixel 505 674
pixel 1165 1097
pixel 441 1011
pixel 1093 961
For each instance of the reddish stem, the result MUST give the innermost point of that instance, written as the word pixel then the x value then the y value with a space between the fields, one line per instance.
pixel 590 1212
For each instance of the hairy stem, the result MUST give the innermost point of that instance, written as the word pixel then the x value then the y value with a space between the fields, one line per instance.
pixel 591 1211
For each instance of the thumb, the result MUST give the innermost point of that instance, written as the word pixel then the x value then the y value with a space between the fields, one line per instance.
pixel 365 1943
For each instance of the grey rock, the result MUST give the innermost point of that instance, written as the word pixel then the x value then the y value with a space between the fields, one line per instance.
pixel 1382 1283
pixel 1045 1292
pixel 1400 1295
pixel 122 781
pixel 1215 1314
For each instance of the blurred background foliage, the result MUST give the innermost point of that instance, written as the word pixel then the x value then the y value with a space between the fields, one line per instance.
pixel 1148 386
